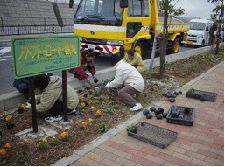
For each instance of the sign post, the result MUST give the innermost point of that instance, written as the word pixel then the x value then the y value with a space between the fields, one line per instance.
pixel 38 55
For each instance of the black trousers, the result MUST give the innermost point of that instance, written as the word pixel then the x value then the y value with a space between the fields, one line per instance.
pixel 57 109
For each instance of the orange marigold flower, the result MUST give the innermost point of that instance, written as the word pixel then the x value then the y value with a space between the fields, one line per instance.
pixel 64 134
pixel 8 117
pixel 90 120
pixel 7 145
pixel 99 112
pixel 38 144
pixel 84 124
pixel 18 105
pixel 3 151
pixel 4 113
pixel 83 104
pixel 79 97
pixel 90 101
pixel 23 142
pixel 36 102
pixel 93 108
pixel 23 105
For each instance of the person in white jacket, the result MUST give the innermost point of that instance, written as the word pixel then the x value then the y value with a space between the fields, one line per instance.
pixel 133 81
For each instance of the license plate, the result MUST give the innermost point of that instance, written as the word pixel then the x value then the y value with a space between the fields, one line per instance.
pixel 190 42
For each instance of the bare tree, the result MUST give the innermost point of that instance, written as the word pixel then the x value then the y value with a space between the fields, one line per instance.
pixel 218 10
pixel 168 8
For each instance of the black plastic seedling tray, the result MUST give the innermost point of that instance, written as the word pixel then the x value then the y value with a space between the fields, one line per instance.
pixel 153 134
pixel 184 118
pixel 202 95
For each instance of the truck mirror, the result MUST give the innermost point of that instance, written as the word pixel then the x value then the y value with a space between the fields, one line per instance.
pixel 71 3
pixel 123 3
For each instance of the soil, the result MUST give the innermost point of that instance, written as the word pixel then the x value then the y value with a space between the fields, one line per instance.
pixel 78 137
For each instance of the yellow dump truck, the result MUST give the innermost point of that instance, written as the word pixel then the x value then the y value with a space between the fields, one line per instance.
pixel 112 26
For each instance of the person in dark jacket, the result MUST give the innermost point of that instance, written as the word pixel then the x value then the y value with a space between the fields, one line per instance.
pixel 87 63
pixel 23 86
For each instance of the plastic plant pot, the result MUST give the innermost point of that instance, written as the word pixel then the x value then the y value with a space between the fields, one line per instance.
pixel 161 110
pixel 153 109
pixel 146 111
pixel 149 116
pixel 159 116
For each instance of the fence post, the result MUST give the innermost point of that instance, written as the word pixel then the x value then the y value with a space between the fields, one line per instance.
pixel 2 21
pixel 45 24
pixel 18 30
pixel 53 29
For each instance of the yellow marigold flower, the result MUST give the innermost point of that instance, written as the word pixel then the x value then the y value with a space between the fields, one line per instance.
pixel 90 101
pixel 99 112
pixel 23 105
pixel 8 117
pixel 38 144
pixel 53 138
pixel 83 110
pixel 84 124
pixel 90 120
pixel 64 134
pixel 23 142
pixel 18 105
pixel 79 97
pixel 3 151
pixel 7 145
pixel 4 113
pixel 92 107
pixel 87 96
pixel 45 140
pixel 83 104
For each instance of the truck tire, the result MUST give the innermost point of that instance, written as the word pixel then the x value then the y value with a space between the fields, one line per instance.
pixel 139 48
pixel 175 46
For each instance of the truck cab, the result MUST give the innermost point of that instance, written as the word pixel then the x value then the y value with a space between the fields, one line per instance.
pixel 199 32
pixel 112 26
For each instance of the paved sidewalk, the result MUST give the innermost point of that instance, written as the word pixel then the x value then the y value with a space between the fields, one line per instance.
pixel 202 144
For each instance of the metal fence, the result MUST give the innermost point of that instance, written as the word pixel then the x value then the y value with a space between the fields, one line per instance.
pixel 35 29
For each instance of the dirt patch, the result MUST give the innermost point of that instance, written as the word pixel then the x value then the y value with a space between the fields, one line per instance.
pixel 113 112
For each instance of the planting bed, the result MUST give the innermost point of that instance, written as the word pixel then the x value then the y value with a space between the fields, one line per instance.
pixel 112 110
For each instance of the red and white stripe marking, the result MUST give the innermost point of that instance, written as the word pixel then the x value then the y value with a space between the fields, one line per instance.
pixel 100 48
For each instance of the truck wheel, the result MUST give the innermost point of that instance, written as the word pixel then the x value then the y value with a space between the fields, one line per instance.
pixel 139 48
pixel 175 46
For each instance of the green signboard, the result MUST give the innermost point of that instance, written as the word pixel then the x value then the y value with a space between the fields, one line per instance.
pixel 38 55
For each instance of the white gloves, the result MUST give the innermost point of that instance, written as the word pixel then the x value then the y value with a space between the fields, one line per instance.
pixel 28 106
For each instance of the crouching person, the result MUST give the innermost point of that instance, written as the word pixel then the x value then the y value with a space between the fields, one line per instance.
pixel 51 98
pixel 133 81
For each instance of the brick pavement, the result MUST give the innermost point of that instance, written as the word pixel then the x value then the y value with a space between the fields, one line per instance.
pixel 202 144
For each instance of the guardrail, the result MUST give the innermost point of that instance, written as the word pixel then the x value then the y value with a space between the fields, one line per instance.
pixel 35 29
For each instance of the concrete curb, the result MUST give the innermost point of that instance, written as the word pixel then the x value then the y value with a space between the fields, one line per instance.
pixel 9 101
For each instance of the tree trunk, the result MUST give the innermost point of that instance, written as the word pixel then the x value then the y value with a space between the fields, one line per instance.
pixel 163 47
pixel 218 38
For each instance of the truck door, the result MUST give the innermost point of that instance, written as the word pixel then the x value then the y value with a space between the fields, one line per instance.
pixel 138 23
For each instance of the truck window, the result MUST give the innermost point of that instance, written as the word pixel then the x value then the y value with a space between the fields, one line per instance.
pixel 197 26
pixel 138 8
pixel 105 12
